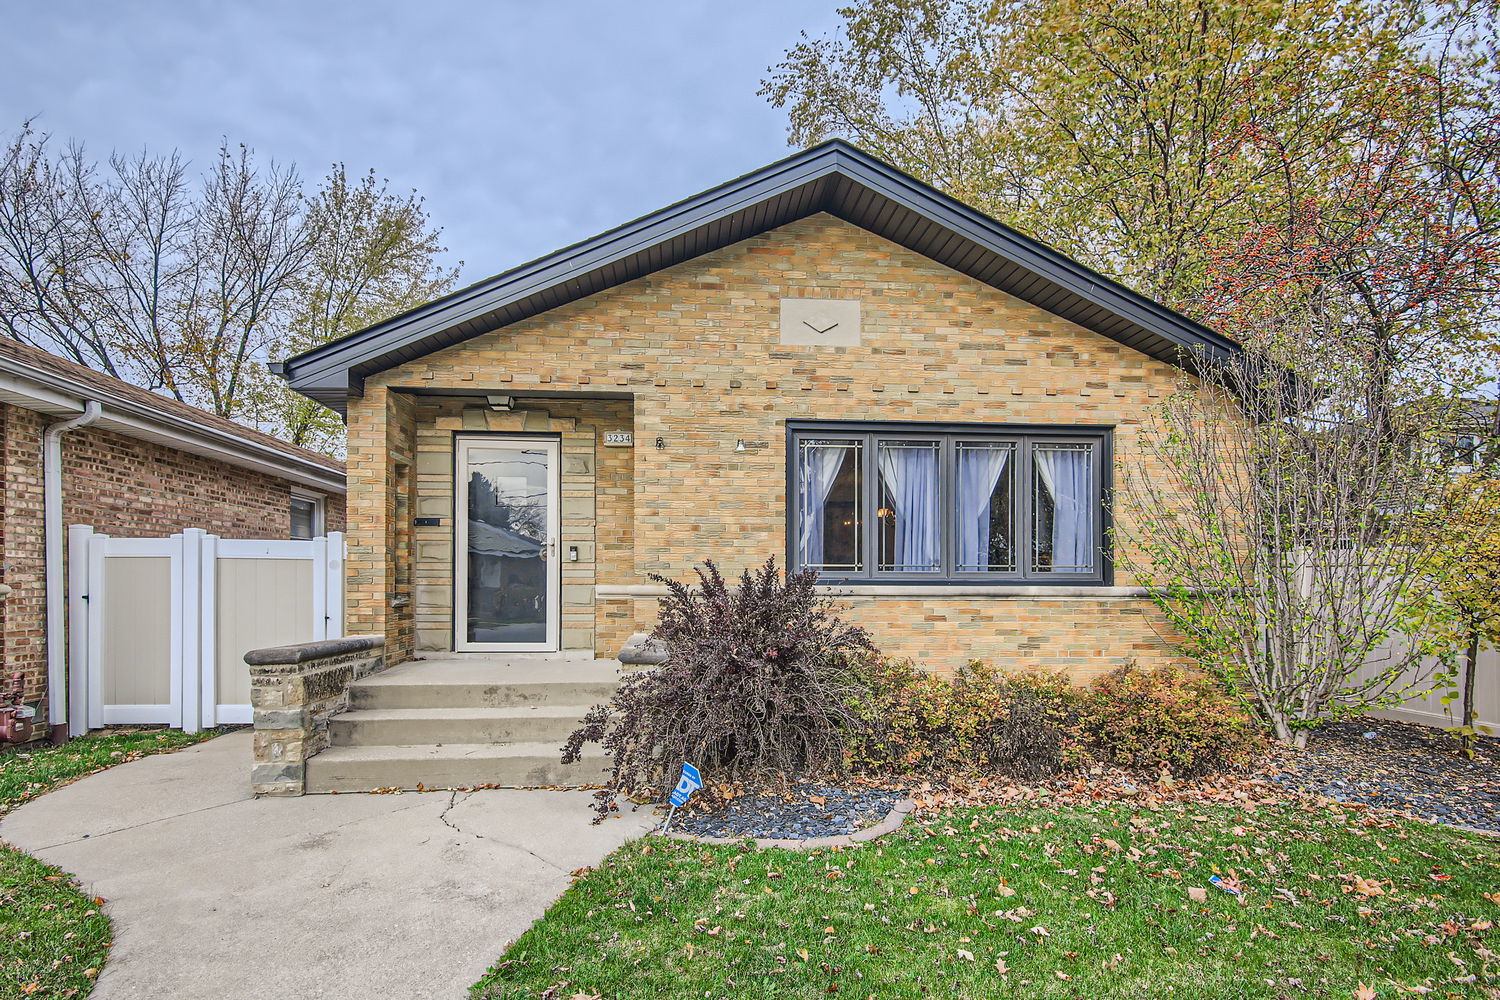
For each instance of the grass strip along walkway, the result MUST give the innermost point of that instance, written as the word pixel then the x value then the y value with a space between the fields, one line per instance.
pixel 1076 901
pixel 53 938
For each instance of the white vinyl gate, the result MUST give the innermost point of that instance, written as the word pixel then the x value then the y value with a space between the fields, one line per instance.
pixel 158 627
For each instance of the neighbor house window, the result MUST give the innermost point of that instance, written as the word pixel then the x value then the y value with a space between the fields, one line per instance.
pixel 307 516
pixel 948 503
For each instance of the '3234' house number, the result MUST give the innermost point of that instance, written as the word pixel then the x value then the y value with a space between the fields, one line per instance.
pixel 619 439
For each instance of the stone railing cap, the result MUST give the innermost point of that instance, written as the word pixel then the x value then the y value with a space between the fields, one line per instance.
pixel 319 649
pixel 642 650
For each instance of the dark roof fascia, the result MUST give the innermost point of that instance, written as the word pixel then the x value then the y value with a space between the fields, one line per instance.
pixel 333 370
pixel 356 350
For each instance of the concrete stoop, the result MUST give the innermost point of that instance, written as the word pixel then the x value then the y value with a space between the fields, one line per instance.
pixel 466 721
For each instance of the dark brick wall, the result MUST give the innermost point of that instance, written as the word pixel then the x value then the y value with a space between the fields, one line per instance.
pixel 122 487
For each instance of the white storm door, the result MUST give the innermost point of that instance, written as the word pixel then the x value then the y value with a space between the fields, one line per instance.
pixel 507 579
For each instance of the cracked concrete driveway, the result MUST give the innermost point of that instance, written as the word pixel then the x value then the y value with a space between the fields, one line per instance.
pixel 216 894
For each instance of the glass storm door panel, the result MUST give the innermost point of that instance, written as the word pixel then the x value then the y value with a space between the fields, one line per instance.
pixel 507 579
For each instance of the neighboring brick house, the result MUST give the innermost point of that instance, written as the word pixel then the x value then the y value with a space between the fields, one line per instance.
pixel 145 466
pixel 825 361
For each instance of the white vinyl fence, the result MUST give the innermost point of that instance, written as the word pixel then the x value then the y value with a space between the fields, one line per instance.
pixel 158 627
pixel 1431 711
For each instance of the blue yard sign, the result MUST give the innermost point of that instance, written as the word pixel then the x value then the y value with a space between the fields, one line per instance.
pixel 689 783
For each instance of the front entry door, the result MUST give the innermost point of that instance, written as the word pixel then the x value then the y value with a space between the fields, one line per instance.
pixel 507 578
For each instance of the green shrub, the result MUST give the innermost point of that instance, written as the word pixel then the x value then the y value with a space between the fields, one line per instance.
pixel 1139 718
pixel 979 721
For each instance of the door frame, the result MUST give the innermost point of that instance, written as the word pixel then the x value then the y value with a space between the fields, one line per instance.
pixel 552 443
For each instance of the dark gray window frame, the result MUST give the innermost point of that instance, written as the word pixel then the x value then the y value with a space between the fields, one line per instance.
pixel 1023 435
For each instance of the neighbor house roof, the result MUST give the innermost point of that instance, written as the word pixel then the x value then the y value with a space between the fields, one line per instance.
pixel 38 380
pixel 835 178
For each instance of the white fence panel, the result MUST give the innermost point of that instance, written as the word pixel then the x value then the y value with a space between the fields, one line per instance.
pixel 1430 711
pixel 160 626
pixel 137 632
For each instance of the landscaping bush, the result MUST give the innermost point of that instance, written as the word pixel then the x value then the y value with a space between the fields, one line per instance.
pixel 758 680
pixel 979 721
pixel 1168 718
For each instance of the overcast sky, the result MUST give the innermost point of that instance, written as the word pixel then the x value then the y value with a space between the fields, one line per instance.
pixel 526 125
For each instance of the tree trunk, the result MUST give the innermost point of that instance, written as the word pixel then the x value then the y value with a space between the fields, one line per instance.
pixel 1468 720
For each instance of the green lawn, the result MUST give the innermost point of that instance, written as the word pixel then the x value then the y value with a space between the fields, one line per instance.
pixel 1076 902
pixel 53 938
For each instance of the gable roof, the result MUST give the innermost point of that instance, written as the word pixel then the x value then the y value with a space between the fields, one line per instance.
pixel 833 177
pixel 35 379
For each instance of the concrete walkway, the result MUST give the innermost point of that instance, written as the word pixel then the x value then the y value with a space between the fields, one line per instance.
pixel 217 895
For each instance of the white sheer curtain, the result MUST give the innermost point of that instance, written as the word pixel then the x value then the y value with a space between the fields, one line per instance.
pixel 819 468
pixel 979 469
pixel 1065 474
pixel 910 475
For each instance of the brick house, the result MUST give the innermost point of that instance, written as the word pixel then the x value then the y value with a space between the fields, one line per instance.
pixel 824 361
pixel 130 463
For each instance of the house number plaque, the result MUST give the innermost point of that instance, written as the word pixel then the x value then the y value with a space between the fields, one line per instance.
pixel 619 439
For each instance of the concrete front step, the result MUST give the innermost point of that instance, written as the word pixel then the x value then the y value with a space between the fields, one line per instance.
pixel 498 682
pixel 544 722
pixel 459 765
pixel 465 720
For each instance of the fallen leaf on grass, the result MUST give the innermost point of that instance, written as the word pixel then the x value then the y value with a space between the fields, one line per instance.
pixel 1363 992
pixel 967 956
pixel 1197 894
pixel 1365 887
pixel 1001 967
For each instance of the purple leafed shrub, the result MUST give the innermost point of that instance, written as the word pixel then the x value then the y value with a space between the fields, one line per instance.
pixel 759 680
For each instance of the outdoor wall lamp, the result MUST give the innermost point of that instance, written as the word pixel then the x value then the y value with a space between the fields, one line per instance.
pixel 499 402
pixel 739 445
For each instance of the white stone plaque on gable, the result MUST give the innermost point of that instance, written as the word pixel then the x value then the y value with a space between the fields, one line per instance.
pixel 820 322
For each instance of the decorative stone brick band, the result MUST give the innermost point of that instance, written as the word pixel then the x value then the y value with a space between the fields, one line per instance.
pixel 294 690
pixel 890 824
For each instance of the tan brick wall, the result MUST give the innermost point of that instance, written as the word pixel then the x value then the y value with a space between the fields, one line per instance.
pixel 379 468
pixel 122 487
pixel 697 346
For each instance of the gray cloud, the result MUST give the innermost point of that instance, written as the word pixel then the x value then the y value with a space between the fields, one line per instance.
pixel 527 126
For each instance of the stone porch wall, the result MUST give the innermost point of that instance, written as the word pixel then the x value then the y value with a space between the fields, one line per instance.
pixel 294 691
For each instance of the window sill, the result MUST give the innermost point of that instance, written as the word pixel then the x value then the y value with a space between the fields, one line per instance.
pixel 1008 591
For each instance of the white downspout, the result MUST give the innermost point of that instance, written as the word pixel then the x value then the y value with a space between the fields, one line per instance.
pixel 52 531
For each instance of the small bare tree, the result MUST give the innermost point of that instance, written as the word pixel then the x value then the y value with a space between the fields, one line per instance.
pixel 188 285
pixel 132 270
pixel 1270 520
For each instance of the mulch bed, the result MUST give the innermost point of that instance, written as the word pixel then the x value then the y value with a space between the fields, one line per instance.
pixel 1365 762
pixel 1398 765
pixel 802 810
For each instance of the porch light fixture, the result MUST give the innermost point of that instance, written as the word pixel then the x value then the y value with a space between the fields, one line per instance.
pixel 739 445
pixel 499 402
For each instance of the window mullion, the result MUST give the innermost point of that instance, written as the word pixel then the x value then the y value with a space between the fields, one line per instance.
pixel 947 507
pixel 1025 508
pixel 872 504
